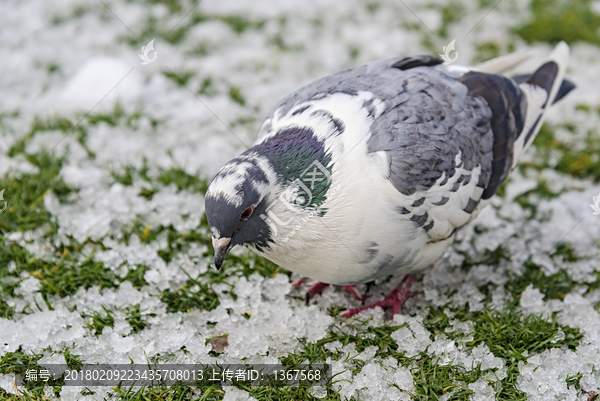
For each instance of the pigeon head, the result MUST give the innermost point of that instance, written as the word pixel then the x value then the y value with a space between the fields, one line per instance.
pixel 241 195
pixel 236 198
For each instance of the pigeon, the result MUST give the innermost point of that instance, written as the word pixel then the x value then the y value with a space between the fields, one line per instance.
pixel 370 172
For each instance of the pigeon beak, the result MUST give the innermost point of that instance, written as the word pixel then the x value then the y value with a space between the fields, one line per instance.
pixel 221 246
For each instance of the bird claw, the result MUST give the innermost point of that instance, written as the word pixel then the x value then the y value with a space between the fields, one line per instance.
pixel 318 288
pixel 313 290
pixel 395 300
pixel 354 292
pixel 298 283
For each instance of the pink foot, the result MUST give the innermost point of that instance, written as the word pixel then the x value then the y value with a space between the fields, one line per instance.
pixel 313 290
pixel 354 292
pixel 318 288
pixel 298 283
pixel 394 300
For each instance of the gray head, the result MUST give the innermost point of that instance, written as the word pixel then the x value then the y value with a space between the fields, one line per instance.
pixel 236 198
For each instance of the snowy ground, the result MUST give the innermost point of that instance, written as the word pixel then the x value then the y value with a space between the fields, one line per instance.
pixel 105 256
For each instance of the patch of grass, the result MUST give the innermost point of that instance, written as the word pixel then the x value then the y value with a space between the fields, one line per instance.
pixel 53 123
pixel 240 23
pixel 117 117
pixel 247 122
pixel 529 200
pixel 451 13
pixel 431 379
pixel 73 361
pixel 486 51
pixel 78 126
pixel 211 392
pixel 124 176
pixel 183 180
pixel 489 258
pixel 194 294
pixel 165 177
pixel 175 392
pixel 76 13
pixel 578 163
pixel 19 362
pixel 24 194
pixel 555 286
pixel 201 49
pixel 97 321
pixel 181 78
pixel 173 6
pixel 52 68
pixel 207 87
pixel 279 42
pixel 235 94
pixel 556 20
pixel 60 276
pixel 63 280
pixel 136 319
pixel 372 6
pixel 508 335
pixel 155 28
pixel 354 52
pixel 198 291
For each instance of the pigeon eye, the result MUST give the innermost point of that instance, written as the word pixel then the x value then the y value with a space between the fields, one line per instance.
pixel 246 213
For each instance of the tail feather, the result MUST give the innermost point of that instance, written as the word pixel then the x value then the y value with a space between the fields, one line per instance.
pixel 504 63
pixel 565 87
pixel 542 89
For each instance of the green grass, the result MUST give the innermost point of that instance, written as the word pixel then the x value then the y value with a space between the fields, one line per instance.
pixel 556 20
pixel 181 77
pixel 184 181
pixel 78 126
pixel 235 94
pixel 554 286
pixel 18 362
pixel 529 200
pixel 207 87
pixel 579 162
pixel 508 335
pixel 203 296
pixel 155 28
pixel 61 275
pixel 97 321
pixel 136 319
pixel 25 194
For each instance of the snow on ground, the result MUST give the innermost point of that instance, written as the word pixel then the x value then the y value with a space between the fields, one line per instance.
pixel 220 66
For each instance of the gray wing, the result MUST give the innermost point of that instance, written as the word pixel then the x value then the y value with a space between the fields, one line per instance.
pixel 430 117
pixel 448 133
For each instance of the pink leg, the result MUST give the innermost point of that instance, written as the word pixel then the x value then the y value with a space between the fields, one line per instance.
pixel 315 289
pixel 354 292
pixel 318 287
pixel 394 300
pixel 297 284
